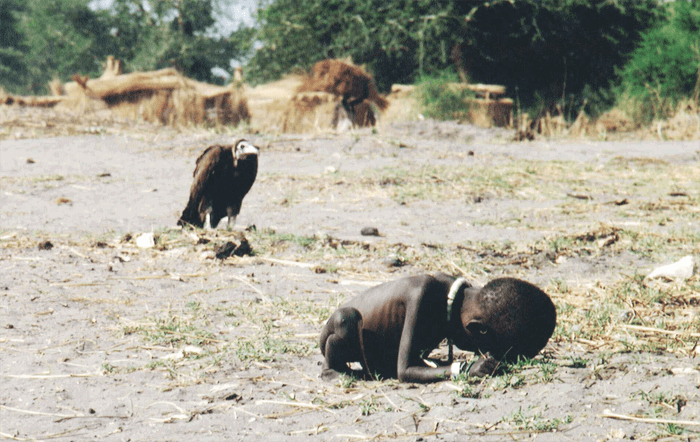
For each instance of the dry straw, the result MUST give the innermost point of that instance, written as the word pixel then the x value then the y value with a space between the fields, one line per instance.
pixel 311 103
pixel 163 96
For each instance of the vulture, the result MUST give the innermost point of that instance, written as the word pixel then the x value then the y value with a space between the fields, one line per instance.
pixel 222 178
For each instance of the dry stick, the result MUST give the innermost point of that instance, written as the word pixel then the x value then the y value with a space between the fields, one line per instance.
pixel 660 331
pixel 9 436
pixel 469 424
pixel 72 250
pixel 248 412
pixel 188 335
pixel 48 436
pixel 461 270
pixel 211 290
pixel 180 409
pixel 282 414
pixel 646 419
pixel 92 416
pixel 288 383
pixel 355 282
pixel 296 404
pixel 169 275
pixel 19 410
pixel 310 430
pixel 255 289
pixel 590 343
pixel 51 376
pixel 288 263
pixel 396 407
pixel 382 435
pixel 355 436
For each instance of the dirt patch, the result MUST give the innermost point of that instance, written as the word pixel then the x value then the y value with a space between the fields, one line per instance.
pixel 102 339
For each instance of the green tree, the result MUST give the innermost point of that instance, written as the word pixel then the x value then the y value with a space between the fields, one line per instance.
pixel 154 34
pixel 546 50
pixel 13 68
pixel 554 52
pixel 397 40
pixel 63 37
pixel 665 67
pixel 45 39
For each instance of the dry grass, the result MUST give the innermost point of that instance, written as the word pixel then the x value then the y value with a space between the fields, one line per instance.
pixel 589 187
pixel 684 125
pixel 162 96
pixel 306 103
pixel 342 78
pixel 615 123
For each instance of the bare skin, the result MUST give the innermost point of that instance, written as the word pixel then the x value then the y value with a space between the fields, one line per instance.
pixel 389 327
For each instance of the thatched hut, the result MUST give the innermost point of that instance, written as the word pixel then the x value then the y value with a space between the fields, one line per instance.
pixel 163 96
pixel 353 90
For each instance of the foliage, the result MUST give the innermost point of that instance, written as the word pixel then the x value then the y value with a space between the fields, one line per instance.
pixel 45 39
pixel 12 64
pixel 155 34
pixel 665 67
pixel 63 37
pixel 397 40
pixel 440 101
pixel 551 51
pixel 546 50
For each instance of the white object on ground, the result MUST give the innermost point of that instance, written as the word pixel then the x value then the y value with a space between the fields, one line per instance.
pixel 145 240
pixel 682 269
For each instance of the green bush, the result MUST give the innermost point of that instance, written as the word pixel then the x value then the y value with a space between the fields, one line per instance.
pixel 440 101
pixel 665 67
pixel 557 54
pixel 550 51
pixel 13 67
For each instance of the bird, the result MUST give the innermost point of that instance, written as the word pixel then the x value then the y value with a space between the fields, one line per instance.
pixel 222 177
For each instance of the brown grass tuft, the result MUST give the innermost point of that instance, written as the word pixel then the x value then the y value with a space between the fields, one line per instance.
pixel 309 111
pixel 684 125
pixel 615 120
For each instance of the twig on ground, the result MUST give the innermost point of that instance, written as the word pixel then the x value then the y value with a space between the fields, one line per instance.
pixel 289 263
pixel 646 420
pixel 658 330
pixel 296 404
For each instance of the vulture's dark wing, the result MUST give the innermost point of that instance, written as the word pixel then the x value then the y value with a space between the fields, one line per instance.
pixel 202 185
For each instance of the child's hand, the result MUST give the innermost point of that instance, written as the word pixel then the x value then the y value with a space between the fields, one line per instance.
pixel 483 366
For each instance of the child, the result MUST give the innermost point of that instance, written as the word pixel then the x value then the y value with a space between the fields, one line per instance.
pixel 389 327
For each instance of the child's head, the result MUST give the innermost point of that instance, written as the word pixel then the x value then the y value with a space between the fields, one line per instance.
pixel 508 318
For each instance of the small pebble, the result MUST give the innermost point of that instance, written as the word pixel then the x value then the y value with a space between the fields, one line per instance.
pixel 369 231
pixel 392 261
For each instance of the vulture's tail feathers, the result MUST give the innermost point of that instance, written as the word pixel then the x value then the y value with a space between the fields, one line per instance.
pixel 190 216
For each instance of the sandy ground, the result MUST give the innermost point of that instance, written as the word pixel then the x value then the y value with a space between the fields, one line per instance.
pixel 102 340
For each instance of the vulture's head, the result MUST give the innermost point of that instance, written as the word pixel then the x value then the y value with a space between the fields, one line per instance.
pixel 244 148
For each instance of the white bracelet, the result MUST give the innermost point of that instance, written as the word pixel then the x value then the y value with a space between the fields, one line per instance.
pixel 456 369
